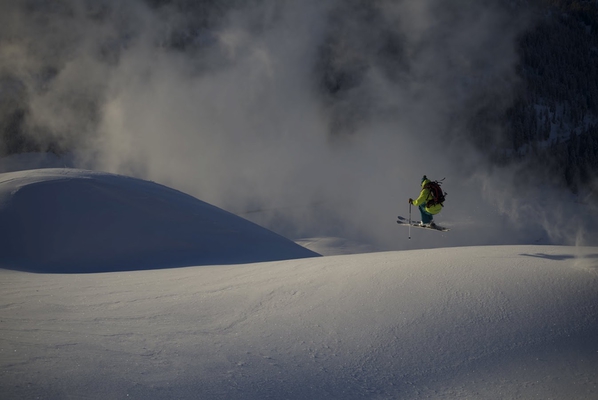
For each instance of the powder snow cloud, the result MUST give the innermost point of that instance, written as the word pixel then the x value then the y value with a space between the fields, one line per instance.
pixel 309 117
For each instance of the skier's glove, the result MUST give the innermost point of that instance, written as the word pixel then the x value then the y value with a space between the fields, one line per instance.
pixel 410 201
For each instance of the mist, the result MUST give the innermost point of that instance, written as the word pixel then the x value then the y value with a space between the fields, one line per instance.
pixel 311 118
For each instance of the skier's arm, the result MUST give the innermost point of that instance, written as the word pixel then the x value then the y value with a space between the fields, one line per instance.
pixel 422 199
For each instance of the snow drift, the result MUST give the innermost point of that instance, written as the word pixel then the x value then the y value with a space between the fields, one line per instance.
pixel 68 220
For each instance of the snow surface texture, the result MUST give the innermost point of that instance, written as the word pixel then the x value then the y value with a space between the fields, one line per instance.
pixel 478 322
pixel 68 220
pixel 471 322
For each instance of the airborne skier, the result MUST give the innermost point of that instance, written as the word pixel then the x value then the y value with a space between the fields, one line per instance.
pixel 429 201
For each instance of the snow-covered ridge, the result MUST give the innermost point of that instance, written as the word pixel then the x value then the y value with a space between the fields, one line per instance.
pixel 69 220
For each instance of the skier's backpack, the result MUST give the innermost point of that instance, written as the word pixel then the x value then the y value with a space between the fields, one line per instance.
pixel 437 196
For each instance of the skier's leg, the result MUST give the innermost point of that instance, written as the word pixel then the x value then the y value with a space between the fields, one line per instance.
pixel 426 217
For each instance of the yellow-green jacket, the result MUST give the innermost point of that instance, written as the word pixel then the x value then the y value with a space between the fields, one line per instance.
pixel 423 198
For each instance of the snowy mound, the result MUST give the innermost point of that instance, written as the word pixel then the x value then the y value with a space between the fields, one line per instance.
pixel 65 220
pixel 458 323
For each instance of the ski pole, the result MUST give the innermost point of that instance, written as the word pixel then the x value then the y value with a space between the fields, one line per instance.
pixel 409 221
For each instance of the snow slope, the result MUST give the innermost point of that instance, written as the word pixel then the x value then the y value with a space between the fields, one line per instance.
pixel 478 322
pixel 496 322
pixel 69 220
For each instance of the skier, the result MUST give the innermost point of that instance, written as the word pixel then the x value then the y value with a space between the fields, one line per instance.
pixel 427 207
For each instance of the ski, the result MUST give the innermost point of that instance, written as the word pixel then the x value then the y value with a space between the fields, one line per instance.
pixel 405 221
